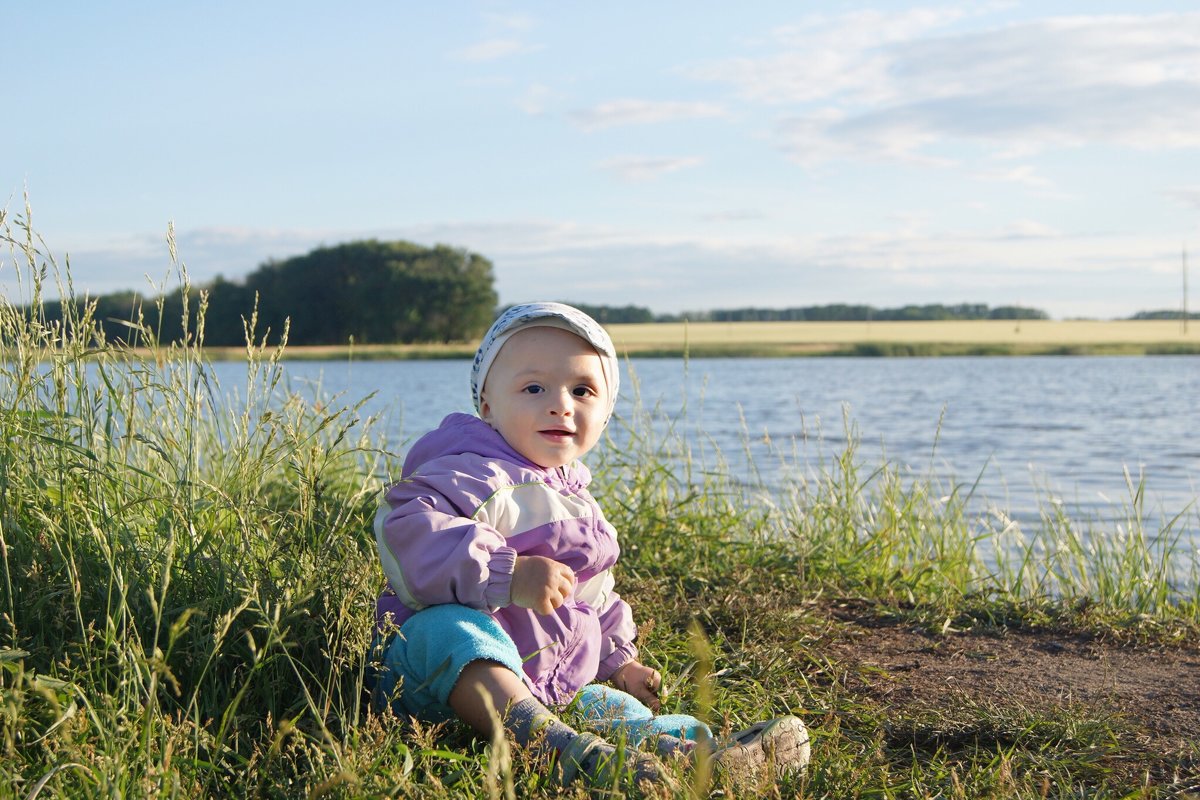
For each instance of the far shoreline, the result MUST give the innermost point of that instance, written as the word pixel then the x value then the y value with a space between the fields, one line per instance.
pixel 823 339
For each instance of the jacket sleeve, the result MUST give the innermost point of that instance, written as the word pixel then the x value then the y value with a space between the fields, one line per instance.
pixel 434 553
pixel 617 632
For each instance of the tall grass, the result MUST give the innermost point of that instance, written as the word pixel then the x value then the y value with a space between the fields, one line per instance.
pixel 185 570
pixel 882 532
pixel 916 540
pixel 187 576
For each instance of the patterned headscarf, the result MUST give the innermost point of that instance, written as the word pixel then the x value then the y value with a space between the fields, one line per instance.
pixel 547 315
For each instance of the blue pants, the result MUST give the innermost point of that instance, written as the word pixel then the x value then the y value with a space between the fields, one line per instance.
pixel 614 713
pixel 422 663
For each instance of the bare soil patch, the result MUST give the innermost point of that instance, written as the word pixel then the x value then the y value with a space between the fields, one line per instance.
pixel 1150 692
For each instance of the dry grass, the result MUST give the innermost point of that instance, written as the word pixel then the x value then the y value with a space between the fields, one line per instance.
pixel 992 332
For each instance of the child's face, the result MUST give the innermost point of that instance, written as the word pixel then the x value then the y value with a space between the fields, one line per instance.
pixel 546 395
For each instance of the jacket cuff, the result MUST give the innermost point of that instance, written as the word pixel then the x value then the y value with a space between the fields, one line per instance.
pixel 498 592
pixel 615 660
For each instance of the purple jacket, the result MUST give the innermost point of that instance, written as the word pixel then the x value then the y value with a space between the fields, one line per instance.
pixel 451 530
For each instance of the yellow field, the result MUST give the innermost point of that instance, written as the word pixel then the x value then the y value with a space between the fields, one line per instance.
pixel 985 337
pixel 1026 335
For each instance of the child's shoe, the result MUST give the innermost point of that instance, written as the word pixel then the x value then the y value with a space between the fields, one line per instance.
pixel 602 765
pixel 781 744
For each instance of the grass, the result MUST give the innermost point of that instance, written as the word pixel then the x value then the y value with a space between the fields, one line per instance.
pixel 965 337
pixel 188 579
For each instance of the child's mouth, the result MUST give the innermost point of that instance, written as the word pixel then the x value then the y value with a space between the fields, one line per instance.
pixel 557 433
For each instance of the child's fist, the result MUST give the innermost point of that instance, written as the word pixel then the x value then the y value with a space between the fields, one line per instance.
pixel 541 584
pixel 640 681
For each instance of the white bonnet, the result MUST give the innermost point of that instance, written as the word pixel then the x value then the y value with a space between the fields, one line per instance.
pixel 547 315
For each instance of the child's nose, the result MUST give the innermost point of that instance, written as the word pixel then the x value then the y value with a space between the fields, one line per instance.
pixel 563 403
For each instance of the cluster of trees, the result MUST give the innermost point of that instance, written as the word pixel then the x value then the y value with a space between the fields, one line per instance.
pixel 369 292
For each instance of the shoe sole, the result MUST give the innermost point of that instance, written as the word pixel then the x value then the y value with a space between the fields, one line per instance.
pixel 779 743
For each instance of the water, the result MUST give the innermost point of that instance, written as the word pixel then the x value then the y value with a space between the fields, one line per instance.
pixel 1031 430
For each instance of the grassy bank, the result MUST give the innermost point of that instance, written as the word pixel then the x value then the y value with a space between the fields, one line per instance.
pixel 188 579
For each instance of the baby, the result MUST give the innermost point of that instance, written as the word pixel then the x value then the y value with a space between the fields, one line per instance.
pixel 499 566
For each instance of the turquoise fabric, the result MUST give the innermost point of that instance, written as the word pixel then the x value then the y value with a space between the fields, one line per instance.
pixel 612 713
pixel 422 662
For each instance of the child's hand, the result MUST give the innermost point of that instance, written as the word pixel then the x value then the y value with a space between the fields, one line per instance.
pixel 541 584
pixel 640 681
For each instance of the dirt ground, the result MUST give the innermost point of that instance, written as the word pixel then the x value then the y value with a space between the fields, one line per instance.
pixel 1150 692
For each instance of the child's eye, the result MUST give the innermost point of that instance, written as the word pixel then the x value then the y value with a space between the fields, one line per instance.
pixel 582 391
pixel 533 388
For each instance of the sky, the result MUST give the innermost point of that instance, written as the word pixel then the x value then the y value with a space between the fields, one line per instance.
pixel 674 155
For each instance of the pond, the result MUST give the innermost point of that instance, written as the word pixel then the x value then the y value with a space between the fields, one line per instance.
pixel 1076 430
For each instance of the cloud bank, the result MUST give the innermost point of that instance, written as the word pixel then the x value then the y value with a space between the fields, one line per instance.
pixel 1083 275
pixel 896 86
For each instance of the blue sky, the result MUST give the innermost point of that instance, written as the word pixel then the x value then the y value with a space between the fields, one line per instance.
pixel 673 155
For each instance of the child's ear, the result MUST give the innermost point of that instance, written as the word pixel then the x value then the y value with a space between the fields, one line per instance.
pixel 485 410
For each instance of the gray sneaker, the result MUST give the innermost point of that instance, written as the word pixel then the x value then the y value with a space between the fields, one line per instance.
pixel 603 765
pixel 780 744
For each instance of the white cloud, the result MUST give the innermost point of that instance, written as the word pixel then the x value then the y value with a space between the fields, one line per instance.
pixel 1023 174
pixel 642 112
pixel 830 134
pixel 491 50
pixel 1028 229
pixel 641 168
pixel 734 215
pixel 1185 195
pixel 535 99
pixel 515 22
pixel 897 86
pixel 1055 54
pixel 826 57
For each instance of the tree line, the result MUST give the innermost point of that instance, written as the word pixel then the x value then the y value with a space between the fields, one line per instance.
pixel 375 292
pixel 1165 315
pixel 839 312
pixel 833 312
